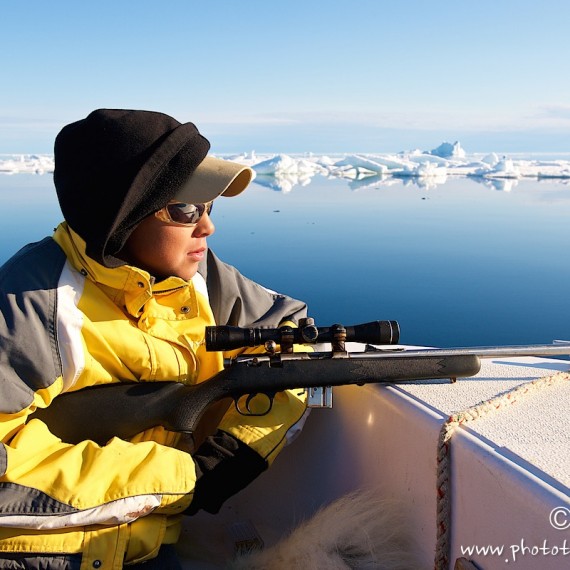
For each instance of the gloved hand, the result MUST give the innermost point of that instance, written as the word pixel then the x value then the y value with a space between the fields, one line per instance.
pixel 224 466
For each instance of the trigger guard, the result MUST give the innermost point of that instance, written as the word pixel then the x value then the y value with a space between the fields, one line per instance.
pixel 248 411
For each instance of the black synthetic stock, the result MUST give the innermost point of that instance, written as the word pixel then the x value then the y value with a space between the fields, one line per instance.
pixel 100 413
pixel 123 410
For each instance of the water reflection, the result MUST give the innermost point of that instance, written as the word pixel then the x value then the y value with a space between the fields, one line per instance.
pixel 357 179
pixel 502 184
pixel 372 182
pixel 282 182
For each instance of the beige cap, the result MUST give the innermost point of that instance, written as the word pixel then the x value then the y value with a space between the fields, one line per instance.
pixel 212 178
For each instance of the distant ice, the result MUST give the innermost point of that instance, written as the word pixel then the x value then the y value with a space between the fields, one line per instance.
pixel 427 168
pixel 26 163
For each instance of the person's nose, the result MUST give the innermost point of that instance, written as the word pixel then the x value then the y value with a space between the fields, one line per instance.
pixel 205 227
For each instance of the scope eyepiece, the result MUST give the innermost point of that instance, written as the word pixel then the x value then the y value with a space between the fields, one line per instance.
pixel 230 338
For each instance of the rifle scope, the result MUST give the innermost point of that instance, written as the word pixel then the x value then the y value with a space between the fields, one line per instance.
pixel 229 338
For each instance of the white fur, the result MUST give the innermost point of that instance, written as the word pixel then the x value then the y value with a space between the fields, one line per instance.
pixel 356 532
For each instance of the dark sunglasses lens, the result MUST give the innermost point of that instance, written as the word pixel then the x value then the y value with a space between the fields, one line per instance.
pixel 183 213
pixel 187 213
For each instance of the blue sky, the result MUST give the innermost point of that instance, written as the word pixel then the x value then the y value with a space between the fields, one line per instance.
pixel 295 76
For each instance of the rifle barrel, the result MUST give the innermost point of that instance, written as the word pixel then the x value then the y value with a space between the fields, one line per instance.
pixel 559 349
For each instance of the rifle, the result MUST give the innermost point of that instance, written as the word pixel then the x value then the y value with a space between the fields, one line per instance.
pixel 122 410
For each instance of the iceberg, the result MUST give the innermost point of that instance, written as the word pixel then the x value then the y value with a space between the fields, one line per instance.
pixel 505 168
pixel 447 150
pixel 357 166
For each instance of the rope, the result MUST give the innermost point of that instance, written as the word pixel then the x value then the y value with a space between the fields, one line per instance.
pixel 443 545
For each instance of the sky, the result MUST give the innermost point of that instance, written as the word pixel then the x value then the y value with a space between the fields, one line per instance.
pixel 294 76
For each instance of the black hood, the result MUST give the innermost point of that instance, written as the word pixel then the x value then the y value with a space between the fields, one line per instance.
pixel 116 167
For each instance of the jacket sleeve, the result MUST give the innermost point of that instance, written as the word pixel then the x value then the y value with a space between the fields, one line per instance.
pixel 44 482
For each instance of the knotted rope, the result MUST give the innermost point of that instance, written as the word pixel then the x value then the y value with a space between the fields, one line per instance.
pixel 443 545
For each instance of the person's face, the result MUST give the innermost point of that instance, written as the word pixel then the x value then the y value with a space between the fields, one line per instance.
pixel 165 250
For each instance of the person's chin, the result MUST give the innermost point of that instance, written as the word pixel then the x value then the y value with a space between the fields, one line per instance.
pixel 188 271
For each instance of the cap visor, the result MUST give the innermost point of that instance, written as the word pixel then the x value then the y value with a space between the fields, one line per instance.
pixel 214 177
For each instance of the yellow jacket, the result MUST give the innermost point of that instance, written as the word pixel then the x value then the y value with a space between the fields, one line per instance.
pixel 67 322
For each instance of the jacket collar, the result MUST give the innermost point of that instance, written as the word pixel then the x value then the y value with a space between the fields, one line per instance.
pixel 126 285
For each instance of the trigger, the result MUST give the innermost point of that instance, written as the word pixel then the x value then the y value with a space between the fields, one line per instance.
pixel 248 402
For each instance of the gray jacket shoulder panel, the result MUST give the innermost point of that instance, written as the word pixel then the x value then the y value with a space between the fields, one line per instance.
pixel 239 301
pixel 29 354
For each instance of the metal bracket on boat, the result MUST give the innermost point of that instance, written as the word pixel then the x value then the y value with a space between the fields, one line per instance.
pixel 320 397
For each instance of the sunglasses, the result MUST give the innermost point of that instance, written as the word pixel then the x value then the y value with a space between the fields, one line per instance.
pixel 182 214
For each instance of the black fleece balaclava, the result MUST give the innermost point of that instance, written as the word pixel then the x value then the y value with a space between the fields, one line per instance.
pixel 116 167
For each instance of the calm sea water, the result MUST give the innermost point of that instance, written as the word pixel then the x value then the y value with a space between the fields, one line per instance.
pixel 459 264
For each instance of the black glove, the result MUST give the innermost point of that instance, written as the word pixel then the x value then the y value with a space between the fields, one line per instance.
pixel 224 466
